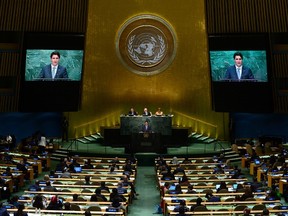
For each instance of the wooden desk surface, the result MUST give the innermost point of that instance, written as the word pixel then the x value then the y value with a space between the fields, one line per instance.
pixel 59 212
pixel 229 212
pixel 83 179
pixel 203 194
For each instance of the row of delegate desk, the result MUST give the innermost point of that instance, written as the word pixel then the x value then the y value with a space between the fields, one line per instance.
pixel 271 177
pixel 31 212
pixel 36 165
pixel 213 208
pixel 67 187
pixel 37 162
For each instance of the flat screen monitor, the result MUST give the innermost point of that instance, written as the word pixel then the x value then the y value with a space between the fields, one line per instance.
pixel 39 64
pixel 52 71
pixel 253 66
pixel 240 73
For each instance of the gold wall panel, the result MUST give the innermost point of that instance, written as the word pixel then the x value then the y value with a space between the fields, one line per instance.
pixel 183 89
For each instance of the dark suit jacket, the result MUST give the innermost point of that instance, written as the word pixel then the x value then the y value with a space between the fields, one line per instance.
pixel 132 113
pixel 146 114
pixel 148 129
pixel 46 72
pixel 232 74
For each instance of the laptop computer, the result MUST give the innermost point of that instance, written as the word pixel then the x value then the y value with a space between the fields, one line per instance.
pixel 257 162
pixel 111 209
pixel 78 169
pixel 235 186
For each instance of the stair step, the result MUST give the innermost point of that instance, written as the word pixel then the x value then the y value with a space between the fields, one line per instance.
pixel 90 138
pixel 192 134
pixel 96 136
pixel 62 151
pixel 203 138
pixel 230 156
pixel 60 155
pixel 231 153
pixel 210 140
pixel 82 140
pixel 197 136
pixel 55 158
pixel 235 159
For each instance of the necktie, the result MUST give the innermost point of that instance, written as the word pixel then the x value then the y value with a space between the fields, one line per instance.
pixel 53 72
pixel 238 73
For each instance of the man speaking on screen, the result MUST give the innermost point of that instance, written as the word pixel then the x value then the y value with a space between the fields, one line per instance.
pixel 54 70
pixel 238 71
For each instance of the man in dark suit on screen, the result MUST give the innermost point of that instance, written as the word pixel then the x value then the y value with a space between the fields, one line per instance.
pixel 54 70
pixel 238 71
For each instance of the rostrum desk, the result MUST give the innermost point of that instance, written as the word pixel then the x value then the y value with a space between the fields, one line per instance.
pixel 146 142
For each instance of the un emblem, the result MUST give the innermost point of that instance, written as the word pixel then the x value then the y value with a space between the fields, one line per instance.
pixel 146 44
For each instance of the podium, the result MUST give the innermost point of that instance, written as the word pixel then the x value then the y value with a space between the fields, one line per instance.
pixel 146 142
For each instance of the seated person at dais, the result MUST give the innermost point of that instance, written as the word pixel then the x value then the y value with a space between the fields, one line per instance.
pixel 159 112
pixel 132 112
pixel 146 112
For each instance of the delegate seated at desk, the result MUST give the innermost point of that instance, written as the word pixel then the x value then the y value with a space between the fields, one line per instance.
pixel 146 112
pixel 146 128
pixel 132 112
pixel 159 112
